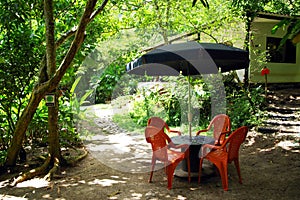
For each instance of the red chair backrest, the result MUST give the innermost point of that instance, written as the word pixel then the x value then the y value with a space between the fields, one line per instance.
pixel 159 142
pixel 234 141
pixel 157 122
pixel 220 123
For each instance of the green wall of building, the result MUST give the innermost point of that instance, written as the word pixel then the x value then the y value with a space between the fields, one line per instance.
pixel 279 72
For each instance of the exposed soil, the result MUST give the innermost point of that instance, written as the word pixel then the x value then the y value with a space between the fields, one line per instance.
pixel 270 169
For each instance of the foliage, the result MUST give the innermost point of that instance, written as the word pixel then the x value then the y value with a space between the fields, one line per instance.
pixel 22 36
pixel 171 18
pixel 282 7
pixel 105 66
pixel 37 131
pixel 168 100
pixel 20 40
pixel 293 29
pixel 204 3
pixel 3 155
pixel 244 110
pixel 278 6
pixel 152 100
pixel 244 107
pixel 125 121
pixel 108 81
pixel 260 61
pixel 69 113
pixel 143 107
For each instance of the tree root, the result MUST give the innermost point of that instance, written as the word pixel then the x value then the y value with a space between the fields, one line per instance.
pixel 53 170
pixel 43 169
pixel 32 173
pixel 78 158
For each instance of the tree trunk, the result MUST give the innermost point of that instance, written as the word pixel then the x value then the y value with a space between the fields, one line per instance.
pixel 21 127
pixel 54 147
pixel 53 137
pixel 249 17
pixel 42 88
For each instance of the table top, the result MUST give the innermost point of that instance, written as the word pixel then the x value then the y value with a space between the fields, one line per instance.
pixel 194 140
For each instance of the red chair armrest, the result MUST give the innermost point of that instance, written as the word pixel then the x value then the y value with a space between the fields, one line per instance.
pixel 174 131
pixel 180 146
pixel 201 131
pixel 206 147
pixel 218 142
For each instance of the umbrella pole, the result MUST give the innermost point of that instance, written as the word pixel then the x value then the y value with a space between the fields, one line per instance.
pixel 189 109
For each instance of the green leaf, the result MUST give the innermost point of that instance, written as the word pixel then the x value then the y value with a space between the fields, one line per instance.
pixel 75 85
pixel 85 96
pixel 280 24
pixel 2 60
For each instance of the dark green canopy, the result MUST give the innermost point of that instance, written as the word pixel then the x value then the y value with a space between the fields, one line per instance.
pixel 190 58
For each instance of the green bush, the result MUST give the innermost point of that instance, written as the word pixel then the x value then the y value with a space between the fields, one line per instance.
pixel 109 80
pixel 242 105
pixel 146 104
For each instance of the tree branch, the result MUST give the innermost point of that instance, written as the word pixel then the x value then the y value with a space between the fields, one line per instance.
pixel 66 36
pixel 78 40
pixel 71 32
pixel 99 10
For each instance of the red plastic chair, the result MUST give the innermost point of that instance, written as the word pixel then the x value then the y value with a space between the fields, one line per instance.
pixel 220 124
pixel 220 156
pixel 161 124
pixel 162 148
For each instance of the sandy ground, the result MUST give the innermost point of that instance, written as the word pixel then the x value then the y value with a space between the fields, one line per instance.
pixel 117 167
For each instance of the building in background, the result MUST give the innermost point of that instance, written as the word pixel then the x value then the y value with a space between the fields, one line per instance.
pixel 283 62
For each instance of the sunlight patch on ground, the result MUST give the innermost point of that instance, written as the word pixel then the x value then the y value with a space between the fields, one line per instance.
pixel 48 196
pixel 288 145
pixel 9 197
pixel 4 183
pixel 136 196
pixel 119 143
pixel 35 183
pixel 105 182
pixel 122 140
pixel 98 110
pixel 251 141
pixel 69 184
pixel 124 178
pixel 101 148
pixel 266 149
pixel 180 197
pixel 97 137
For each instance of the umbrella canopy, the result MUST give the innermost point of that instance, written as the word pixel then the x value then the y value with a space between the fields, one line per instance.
pixel 190 58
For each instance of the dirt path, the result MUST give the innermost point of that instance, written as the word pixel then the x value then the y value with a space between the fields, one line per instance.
pixel 118 164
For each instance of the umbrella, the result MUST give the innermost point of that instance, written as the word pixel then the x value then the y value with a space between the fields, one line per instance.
pixel 189 58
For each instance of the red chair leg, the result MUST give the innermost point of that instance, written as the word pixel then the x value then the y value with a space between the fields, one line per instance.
pixel 237 166
pixel 152 169
pixel 170 175
pixel 223 173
